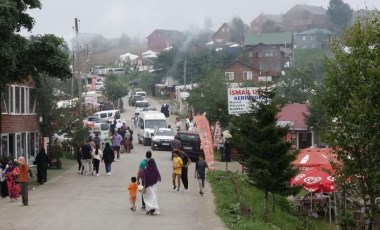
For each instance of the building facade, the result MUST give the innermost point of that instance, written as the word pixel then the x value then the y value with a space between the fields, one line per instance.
pixel 159 40
pixel 266 23
pixel 239 72
pixel 19 121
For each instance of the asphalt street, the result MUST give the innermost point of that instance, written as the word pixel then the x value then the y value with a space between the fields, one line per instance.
pixel 73 201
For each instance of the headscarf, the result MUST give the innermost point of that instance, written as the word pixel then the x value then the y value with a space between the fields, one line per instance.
pixel 10 167
pixel 150 174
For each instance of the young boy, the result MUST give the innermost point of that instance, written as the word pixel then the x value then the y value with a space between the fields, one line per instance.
pixel 200 173
pixel 177 170
pixel 132 187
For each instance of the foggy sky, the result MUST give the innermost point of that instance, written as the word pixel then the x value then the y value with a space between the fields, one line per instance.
pixel 111 18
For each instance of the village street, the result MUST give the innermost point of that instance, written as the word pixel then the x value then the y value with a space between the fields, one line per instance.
pixel 73 201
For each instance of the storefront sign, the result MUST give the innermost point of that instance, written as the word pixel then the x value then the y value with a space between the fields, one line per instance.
pixel 240 99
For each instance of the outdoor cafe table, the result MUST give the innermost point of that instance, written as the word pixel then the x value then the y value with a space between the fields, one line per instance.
pixel 316 204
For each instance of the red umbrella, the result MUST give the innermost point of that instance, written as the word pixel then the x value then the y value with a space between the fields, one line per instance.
pixel 312 157
pixel 315 180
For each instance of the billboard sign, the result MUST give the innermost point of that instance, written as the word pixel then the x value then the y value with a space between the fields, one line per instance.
pixel 239 99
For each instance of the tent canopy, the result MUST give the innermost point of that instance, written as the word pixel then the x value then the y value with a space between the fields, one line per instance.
pixel 128 56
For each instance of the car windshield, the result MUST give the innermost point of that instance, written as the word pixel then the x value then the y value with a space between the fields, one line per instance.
pixel 164 133
pixel 142 104
pixel 188 137
pixel 155 124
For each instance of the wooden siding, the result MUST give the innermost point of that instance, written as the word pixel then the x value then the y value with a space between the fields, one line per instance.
pixel 19 123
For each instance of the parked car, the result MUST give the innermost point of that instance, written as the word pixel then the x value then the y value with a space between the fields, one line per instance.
pixel 140 105
pixel 135 90
pixel 97 119
pixel 162 138
pixel 99 86
pixel 118 71
pixel 140 93
pixel 191 144
pixel 149 108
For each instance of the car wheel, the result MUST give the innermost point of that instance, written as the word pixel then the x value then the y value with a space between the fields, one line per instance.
pixel 145 142
pixel 152 146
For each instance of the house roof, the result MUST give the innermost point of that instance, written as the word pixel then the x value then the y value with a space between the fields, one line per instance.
pixel 168 33
pixel 223 25
pixel 294 113
pixel 313 9
pixel 252 39
pixel 241 62
pixel 315 31
pixel 274 17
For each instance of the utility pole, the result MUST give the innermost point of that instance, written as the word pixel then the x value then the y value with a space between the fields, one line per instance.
pixel 78 69
pixel 184 75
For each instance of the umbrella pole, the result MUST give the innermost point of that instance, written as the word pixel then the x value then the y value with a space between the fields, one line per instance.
pixel 311 202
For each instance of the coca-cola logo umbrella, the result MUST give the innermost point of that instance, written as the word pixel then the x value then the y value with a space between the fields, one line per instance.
pixel 315 180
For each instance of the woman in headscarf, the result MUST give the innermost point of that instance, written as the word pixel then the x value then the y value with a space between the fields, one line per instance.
pixel 150 175
pixel 42 165
pixel 128 142
pixel 10 177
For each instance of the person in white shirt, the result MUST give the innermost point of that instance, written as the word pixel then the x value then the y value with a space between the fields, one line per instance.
pixel 97 156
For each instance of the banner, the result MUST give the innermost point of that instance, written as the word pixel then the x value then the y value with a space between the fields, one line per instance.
pixel 239 99
pixel 203 128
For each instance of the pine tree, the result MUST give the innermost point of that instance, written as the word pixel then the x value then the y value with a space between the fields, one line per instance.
pixel 261 146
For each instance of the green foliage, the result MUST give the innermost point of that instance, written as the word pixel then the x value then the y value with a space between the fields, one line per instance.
pixel 228 206
pixel 22 57
pixel 211 97
pixel 296 86
pixel 238 30
pixel 116 87
pixel 339 13
pixel 307 57
pixel 261 146
pixel 350 100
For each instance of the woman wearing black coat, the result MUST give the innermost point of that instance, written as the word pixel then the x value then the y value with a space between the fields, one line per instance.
pixel 108 158
pixel 42 164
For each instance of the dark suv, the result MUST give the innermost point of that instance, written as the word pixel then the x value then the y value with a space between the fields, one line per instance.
pixel 190 143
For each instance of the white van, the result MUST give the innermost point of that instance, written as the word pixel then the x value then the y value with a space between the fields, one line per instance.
pixel 149 121
pixel 108 114
pixel 141 93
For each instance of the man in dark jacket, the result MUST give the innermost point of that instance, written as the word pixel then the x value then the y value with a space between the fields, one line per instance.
pixel 108 158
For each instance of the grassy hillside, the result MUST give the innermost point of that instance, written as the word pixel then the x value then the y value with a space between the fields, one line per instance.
pixel 305 56
pixel 249 213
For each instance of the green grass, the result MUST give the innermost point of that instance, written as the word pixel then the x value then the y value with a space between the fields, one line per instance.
pixel 305 56
pixel 53 172
pixel 228 208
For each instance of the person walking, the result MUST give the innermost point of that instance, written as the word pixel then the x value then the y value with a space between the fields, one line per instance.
pixel 177 169
pixel 78 156
pixel 116 142
pixel 176 143
pixel 108 158
pixel 186 162
pixel 97 140
pixel 4 188
pixel 24 179
pixel 132 188
pixel 10 174
pixel 97 157
pixel 221 142
pixel 150 176
pixel 86 158
pixel 42 164
pixel 200 173
pixel 128 142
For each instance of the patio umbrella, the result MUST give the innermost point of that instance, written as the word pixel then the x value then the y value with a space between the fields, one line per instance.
pixel 313 157
pixel 315 180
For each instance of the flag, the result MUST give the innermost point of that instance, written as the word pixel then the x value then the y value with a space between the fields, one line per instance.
pixel 203 128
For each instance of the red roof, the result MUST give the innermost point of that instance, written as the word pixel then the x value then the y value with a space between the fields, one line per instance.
pixel 295 114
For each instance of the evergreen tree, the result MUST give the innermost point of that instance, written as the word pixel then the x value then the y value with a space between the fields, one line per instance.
pixel 261 146
pixel 340 14
pixel 238 30
pixel 350 102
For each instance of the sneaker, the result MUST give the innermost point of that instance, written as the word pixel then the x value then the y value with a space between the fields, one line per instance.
pixel 143 208
pixel 201 193
pixel 109 174
pixel 79 172
pixel 186 190
pixel 97 174
pixel 174 189
pixel 178 190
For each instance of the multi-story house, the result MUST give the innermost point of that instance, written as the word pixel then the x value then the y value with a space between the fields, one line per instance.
pixel 267 23
pixel 159 40
pixel 19 121
pixel 239 72
pixel 305 17
pixel 269 52
pixel 313 39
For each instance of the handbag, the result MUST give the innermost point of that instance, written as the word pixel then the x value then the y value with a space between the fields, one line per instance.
pixel 141 188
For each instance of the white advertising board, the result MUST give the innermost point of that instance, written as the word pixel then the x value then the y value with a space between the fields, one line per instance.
pixel 239 99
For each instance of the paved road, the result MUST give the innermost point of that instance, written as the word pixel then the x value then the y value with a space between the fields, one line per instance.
pixel 73 201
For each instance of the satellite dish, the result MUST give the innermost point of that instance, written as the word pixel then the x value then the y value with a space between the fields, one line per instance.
pixel 184 95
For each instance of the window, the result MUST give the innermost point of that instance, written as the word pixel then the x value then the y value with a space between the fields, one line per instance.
pixel 22 100
pixel 5 100
pixel 17 99
pixel 12 99
pixel 32 100
pixel 229 76
pixel 4 149
pixel 247 75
